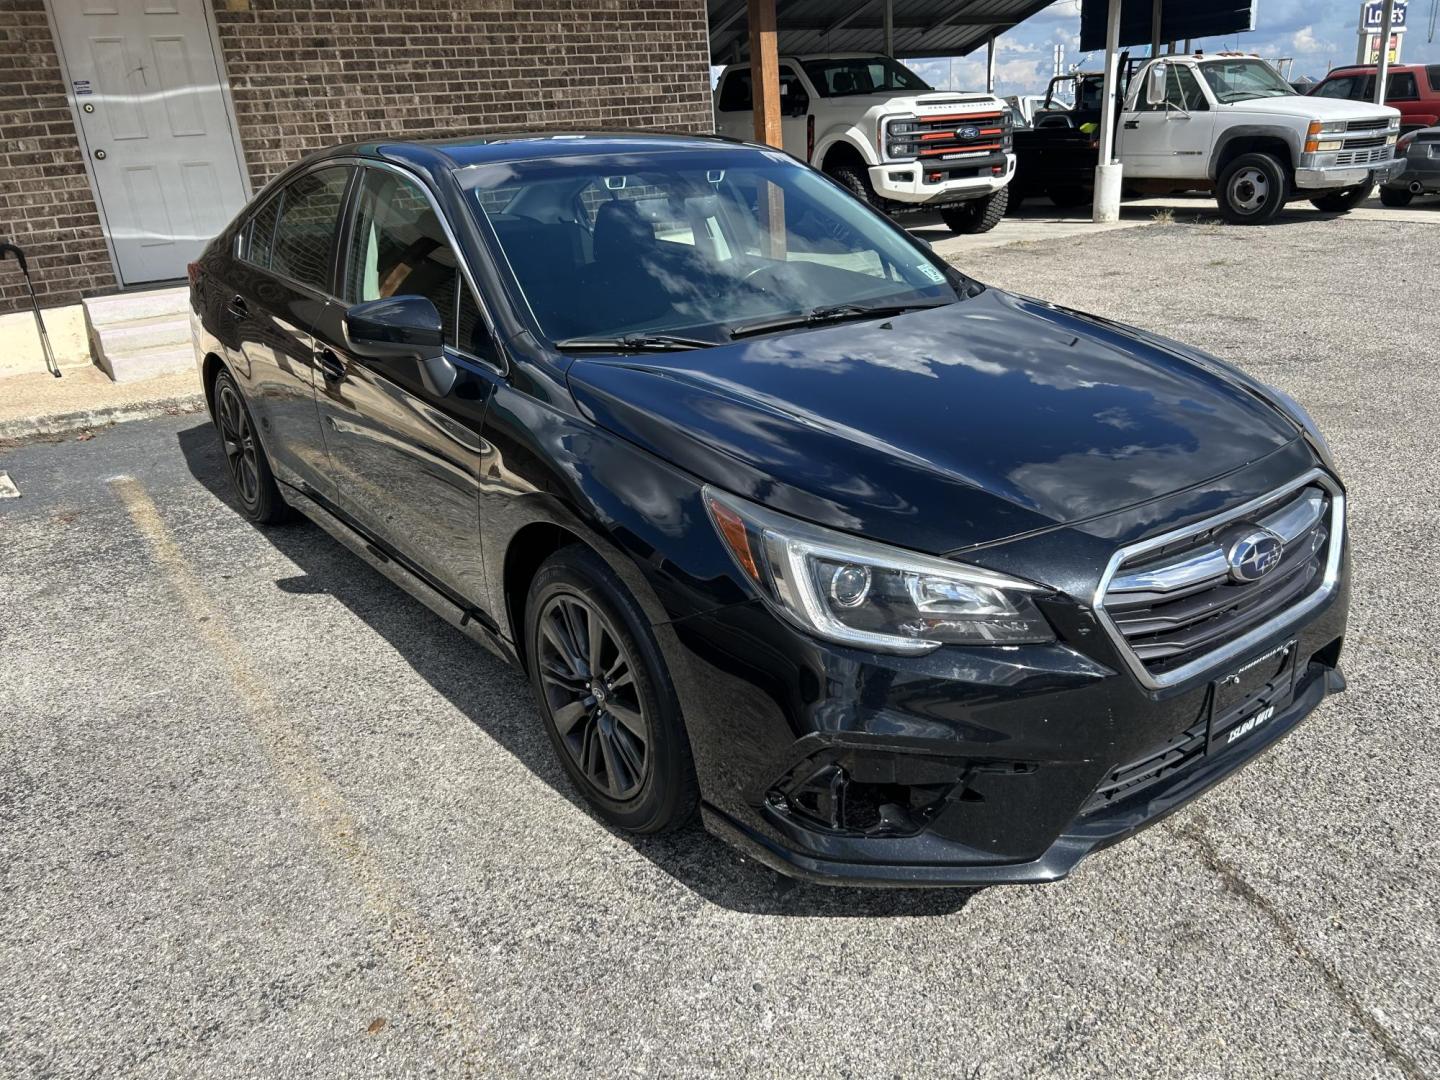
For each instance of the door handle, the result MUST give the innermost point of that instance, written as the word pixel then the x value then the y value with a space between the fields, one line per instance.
pixel 329 364
pixel 238 306
pixel 1131 125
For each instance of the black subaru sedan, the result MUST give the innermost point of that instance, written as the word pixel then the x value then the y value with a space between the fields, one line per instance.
pixel 892 577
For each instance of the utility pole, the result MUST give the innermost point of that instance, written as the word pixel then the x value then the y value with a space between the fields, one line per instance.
pixel 1382 70
pixel 990 65
pixel 1107 172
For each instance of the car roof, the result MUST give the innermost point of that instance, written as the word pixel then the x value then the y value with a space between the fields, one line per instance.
pixel 1369 69
pixel 459 152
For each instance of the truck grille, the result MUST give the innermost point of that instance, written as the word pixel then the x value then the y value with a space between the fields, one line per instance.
pixel 940 136
pixel 1364 157
pixel 1364 144
pixel 1175 605
pixel 1376 124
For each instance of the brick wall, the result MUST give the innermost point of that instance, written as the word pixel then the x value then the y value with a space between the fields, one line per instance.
pixel 46 206
pixel 306 74
pixel 311 73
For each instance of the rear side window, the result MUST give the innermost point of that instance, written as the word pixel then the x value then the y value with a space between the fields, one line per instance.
pixel 1433 74
pixel 259 234
pixel 735 92
pixel 1402 87
pixel 305 233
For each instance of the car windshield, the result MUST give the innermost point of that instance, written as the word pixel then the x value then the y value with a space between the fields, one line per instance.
pixel 1241 80
pixel 863 75
pixel 695 243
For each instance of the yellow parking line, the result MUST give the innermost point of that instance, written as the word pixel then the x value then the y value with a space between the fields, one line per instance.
pixel 442 998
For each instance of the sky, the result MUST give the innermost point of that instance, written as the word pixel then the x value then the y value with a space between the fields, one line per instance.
pixel 1317 34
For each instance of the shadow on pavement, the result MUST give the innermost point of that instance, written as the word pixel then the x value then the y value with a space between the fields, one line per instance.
pixel 472 679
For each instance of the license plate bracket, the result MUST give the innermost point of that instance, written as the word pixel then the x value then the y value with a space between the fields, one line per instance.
pixel 1243 697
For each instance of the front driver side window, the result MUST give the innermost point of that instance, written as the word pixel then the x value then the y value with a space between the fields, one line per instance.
pixel 398 248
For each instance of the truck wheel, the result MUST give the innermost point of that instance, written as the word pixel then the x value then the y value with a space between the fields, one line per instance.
pixel 1342 202
pixel 977 215
pixel 857 182
pixel 1395 196
pixel 1252 190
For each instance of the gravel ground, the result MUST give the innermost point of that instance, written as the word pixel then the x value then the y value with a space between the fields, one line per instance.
pixel 263 815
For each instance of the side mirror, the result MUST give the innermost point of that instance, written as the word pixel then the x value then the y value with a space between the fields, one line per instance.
pixel 403 327
pixel 1155 84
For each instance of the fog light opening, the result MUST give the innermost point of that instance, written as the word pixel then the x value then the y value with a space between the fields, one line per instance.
pixel 830 798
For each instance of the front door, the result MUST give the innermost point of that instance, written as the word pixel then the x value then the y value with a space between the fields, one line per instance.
pixel 404 463
pixel 155 126
pixel 1170 140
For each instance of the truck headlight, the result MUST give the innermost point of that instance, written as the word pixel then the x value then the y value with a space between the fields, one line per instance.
pixel 902 150
pixel 868 595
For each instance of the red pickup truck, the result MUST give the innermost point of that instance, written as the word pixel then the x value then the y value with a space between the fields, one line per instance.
pixel 1414 89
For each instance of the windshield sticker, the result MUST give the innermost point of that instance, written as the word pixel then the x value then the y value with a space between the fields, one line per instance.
pixel 930 271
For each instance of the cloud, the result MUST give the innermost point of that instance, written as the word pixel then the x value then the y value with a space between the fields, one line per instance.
pixel 1304 41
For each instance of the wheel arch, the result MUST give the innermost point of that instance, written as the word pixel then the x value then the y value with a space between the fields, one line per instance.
pixel 837 148
pixel 1254 139
pixel 210 369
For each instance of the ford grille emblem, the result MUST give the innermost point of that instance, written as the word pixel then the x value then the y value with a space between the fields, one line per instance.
pixel 1254 555
pixel 967 132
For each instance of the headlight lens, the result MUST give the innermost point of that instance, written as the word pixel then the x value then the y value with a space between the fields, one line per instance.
pixel 872 596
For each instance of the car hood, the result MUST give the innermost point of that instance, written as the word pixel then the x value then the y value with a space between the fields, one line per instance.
pixel 1310 107
pixel 939 429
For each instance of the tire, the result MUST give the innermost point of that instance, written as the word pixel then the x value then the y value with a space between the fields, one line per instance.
pixel 619 736
pixel 1342 202
pixel 977 215
pixel 856 181
pixel 1396 197
pixel 255 488
pixel 1252 190
pixel 1068 198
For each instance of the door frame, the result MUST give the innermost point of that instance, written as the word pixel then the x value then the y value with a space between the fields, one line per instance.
pixel 228 101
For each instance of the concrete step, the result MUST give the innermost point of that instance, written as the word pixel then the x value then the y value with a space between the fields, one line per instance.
pixel 127 307
pixel 149 333
pixel 130 365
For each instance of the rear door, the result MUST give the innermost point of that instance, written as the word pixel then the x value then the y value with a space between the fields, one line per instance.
pixel 280 285
pixel 405 464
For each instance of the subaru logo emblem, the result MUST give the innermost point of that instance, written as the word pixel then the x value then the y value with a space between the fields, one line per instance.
pixel 967 132
pixel 1254 555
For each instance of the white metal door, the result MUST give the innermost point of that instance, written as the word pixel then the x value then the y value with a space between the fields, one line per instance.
pixel 155 126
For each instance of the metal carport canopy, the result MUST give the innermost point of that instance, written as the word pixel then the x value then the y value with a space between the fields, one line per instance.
pixel 921 27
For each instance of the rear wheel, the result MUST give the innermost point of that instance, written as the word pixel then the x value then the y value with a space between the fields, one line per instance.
pixel 977 215
pixel 856 181
pixel 255 486
pixel 1342 202
pixel 606 696
pixel 1252 190
pixel 1396 197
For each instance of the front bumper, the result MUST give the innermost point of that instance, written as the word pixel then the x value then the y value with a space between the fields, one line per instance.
pixel 960 179
pixel 1331 177
pixel 1004 755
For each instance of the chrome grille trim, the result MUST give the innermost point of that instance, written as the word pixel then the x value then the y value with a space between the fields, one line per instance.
pixel 1288 516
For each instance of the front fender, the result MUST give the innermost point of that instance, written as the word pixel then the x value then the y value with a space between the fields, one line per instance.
pixel 1289 136
pixel 849 134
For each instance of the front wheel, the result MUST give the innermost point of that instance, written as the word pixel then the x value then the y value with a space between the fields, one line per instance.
pixel 1342 202
pixel 857 182
pixel 1396 197
pixel 1252 190
pixel 977 215
pixel 606 696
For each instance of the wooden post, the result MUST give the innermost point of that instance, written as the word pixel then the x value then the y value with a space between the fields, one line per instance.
pixel 765 72
pixel 765 89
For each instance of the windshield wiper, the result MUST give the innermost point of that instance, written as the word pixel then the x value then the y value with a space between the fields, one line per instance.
pixel 635 343
pixel 830 314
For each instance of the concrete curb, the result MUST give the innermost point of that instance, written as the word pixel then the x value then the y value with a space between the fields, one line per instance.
pixel 64 423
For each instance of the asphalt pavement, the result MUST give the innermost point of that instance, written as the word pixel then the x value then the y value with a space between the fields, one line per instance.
pixel 261 814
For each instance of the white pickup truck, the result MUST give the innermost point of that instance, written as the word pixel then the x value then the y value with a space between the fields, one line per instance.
pixel 1228 123
pixel 876 127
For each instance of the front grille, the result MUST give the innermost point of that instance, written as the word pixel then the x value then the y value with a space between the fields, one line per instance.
pixel 1363 157
pixel 1174 605
pixel 940 139
pixel 1363 144
pixel 1156 765
pixel 1375 124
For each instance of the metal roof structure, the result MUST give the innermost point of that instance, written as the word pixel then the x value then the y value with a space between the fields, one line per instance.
pixel 922 27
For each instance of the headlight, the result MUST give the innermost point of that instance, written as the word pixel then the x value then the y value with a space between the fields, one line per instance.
pixel 904 127
pixel 872 596
pixel 900 150
pixel 1324 146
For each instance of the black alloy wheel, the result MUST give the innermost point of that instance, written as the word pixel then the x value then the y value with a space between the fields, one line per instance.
pixel 606 695
pixel 255 486
pixel 589 683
